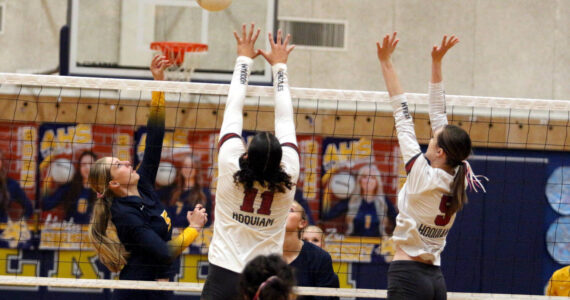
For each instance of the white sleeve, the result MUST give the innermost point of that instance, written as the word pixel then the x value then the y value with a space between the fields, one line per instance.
pixel 405 128
pixel 284 123
pixel 437 112
pixel 233 113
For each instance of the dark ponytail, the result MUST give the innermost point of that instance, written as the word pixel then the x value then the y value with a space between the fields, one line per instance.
pixel 267 278
pixel 262 163
pixel 456 144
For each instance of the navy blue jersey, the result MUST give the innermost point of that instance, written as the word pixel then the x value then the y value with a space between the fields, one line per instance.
pixel 142 223
pixel 81 207
pixel 313 267
pixel 17 195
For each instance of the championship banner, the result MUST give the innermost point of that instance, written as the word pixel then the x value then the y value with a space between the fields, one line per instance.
pixel 66 153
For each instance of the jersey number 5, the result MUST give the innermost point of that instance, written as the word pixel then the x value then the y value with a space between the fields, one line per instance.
pixel 443 220
pixel 266 201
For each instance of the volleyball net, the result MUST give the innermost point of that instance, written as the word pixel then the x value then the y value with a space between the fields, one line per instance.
pixel 507 241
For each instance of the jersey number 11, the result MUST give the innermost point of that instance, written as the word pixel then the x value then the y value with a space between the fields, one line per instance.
pixel 266 201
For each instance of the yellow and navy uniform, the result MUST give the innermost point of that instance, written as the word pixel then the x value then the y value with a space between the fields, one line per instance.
pixel 142 224
pixel 559 283
pixel 313 267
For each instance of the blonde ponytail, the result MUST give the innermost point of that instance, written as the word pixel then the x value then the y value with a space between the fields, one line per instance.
pixel 102 231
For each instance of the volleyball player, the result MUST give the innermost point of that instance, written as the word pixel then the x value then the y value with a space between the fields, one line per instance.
pixel 313 265
pixel 127 202
pixel 435 187
pixel 255 186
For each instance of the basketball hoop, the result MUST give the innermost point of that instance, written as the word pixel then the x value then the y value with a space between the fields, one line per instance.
pixel 178 52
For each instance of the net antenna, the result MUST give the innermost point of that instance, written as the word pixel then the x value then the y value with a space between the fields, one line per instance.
pixel 183 56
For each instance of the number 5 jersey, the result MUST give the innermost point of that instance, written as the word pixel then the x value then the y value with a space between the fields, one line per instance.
pixel 422 224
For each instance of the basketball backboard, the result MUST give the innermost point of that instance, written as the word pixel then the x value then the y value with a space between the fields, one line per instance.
pixel 111 38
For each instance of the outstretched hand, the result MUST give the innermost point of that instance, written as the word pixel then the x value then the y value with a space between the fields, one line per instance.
pixel 437 53
pixel 158 65
pixel 279 50
pixel 246 43
pixel 198 217
pixel 388 46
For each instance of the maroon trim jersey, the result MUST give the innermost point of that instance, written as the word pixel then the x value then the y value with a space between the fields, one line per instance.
pixel 422 225
pixel 251 223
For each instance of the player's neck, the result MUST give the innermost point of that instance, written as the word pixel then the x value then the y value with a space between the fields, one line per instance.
pixel 442 165
pixel 131 190
pixel 292 246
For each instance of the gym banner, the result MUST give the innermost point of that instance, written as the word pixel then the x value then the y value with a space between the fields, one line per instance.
pixel 18 152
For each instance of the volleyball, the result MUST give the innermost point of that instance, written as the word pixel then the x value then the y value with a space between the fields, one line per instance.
pixel 166 174
pixel 214 5
pixel 342 185
pixel 61 170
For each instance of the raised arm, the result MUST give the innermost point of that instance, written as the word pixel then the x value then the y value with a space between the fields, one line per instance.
pixel 233 113
pixel 277 57
pixel 155 124
pixel 384 52
pixel 437 111
pixel 404 123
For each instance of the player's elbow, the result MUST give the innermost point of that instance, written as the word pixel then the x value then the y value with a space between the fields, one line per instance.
pixel 165 257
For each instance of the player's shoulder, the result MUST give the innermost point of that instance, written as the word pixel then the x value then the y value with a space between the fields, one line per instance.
pixel 316 253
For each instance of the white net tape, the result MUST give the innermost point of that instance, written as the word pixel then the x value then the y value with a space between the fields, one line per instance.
pixel 197 287
pixel 343 99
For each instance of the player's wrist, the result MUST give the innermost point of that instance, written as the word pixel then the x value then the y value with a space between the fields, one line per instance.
pixel 197 227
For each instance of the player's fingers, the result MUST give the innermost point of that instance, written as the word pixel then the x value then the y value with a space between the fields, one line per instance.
pixel 287 38
pixel 395 43
pixel 290 49
pixel 394 36
pixel 271 41
pixel 256 35
pixel 251 29
pixel 279 36
pixel 385 41
pixel 236 36
pixel 243 30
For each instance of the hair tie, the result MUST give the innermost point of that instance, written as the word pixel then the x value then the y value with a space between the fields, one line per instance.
pixel 261 286
pixel 99 195
pixel 473 180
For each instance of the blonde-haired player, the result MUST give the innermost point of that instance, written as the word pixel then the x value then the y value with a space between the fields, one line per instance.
pixel 314 234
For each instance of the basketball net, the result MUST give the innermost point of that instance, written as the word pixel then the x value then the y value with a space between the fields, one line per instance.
pixel 183 55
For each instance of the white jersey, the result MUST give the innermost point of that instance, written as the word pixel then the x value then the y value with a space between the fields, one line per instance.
pixel 421 225
pixel 253 223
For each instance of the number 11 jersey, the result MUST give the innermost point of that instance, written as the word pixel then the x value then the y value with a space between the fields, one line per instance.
pixel 251 223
